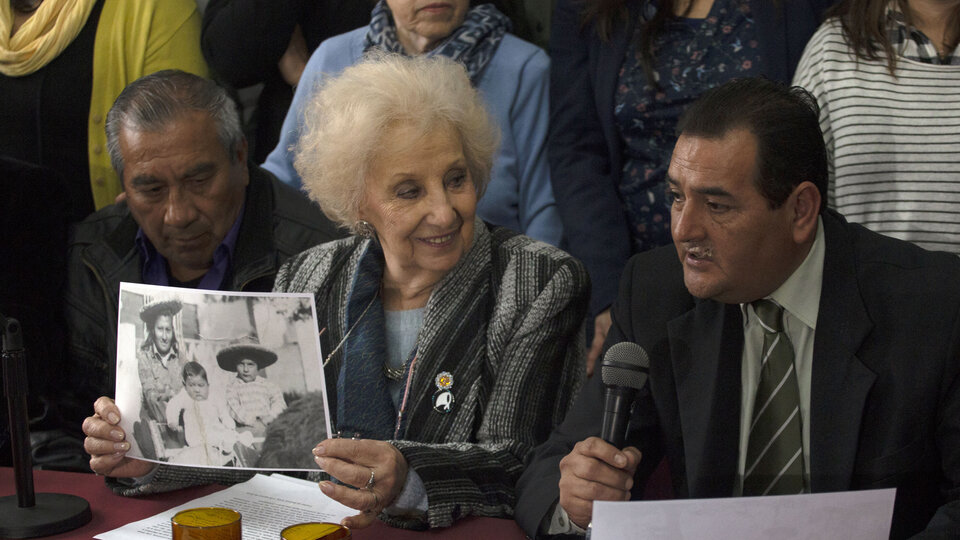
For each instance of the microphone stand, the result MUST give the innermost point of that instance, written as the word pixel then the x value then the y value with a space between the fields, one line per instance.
pixel 26 515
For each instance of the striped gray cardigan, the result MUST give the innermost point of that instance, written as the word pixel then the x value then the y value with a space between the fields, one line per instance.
pixel 506 321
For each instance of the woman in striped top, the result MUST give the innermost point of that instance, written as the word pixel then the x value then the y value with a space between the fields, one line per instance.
pixel 887 77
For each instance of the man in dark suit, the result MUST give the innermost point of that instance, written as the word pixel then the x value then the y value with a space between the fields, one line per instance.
pixel 866 329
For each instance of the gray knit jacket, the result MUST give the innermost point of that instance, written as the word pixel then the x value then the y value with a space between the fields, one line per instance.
pixel 506 321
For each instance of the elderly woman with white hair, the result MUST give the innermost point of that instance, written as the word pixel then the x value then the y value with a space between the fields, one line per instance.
pixel 452 347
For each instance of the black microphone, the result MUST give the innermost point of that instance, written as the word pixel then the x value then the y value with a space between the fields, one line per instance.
pixel 623 371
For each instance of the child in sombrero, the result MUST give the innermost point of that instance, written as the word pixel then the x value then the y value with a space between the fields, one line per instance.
pixel 254 401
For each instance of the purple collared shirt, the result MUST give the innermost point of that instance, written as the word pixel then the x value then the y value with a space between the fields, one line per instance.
pixel 155 265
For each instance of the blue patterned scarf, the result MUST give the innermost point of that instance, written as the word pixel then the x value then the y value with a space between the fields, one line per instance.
pixel 364 406
pixel 472 44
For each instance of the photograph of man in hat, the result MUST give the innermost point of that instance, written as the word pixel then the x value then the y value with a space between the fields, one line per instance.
pixel 158 359
pixel 254 401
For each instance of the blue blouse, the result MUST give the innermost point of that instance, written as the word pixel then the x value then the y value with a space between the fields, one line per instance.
pixel 692 56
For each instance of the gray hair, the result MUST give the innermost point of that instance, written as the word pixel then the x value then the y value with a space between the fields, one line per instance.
pixel 151 102
pixel 346 119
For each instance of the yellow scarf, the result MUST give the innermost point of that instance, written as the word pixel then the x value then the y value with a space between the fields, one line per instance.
pixel 53 26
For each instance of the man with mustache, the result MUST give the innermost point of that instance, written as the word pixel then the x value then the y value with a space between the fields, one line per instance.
pixel 195 214
pixel 790 351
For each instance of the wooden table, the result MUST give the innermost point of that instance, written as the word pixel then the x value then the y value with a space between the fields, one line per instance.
pixel 111 511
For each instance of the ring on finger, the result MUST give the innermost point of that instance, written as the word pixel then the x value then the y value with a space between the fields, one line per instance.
pixel 370 482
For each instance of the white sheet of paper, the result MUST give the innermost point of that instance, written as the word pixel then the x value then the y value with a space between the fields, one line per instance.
pixel 852 515
pixel 267 504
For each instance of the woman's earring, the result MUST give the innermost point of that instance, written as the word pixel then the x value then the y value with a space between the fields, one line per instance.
pixel 365 229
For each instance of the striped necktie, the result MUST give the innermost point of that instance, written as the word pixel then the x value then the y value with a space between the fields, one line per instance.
pixel 774 464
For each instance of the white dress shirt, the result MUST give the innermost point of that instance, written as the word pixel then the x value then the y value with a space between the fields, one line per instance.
pixel 799 296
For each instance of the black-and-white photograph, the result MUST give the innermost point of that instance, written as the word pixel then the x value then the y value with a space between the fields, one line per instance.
pixel 208 378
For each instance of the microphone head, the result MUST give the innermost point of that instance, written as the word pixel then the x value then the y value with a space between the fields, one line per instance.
pixel 625 364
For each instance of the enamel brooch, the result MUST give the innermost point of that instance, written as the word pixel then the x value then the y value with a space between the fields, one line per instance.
pixel 443 398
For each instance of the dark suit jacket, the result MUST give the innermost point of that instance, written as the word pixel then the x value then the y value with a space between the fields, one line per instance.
pixel 584 141
pixel 885 389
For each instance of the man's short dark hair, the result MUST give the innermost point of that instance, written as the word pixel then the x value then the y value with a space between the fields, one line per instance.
pixel 786 123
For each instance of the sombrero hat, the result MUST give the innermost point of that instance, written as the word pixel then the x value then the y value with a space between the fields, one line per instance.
pixel 150 312
pixel 229 357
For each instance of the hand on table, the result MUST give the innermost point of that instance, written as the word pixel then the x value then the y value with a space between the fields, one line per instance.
pixel 601 326
pixel 107 445
pixel 595 471
pixel 350 461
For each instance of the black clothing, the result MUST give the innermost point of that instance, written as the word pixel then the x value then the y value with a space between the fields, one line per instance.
pixel 45 117
pixel 243 40
pixel 33 263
